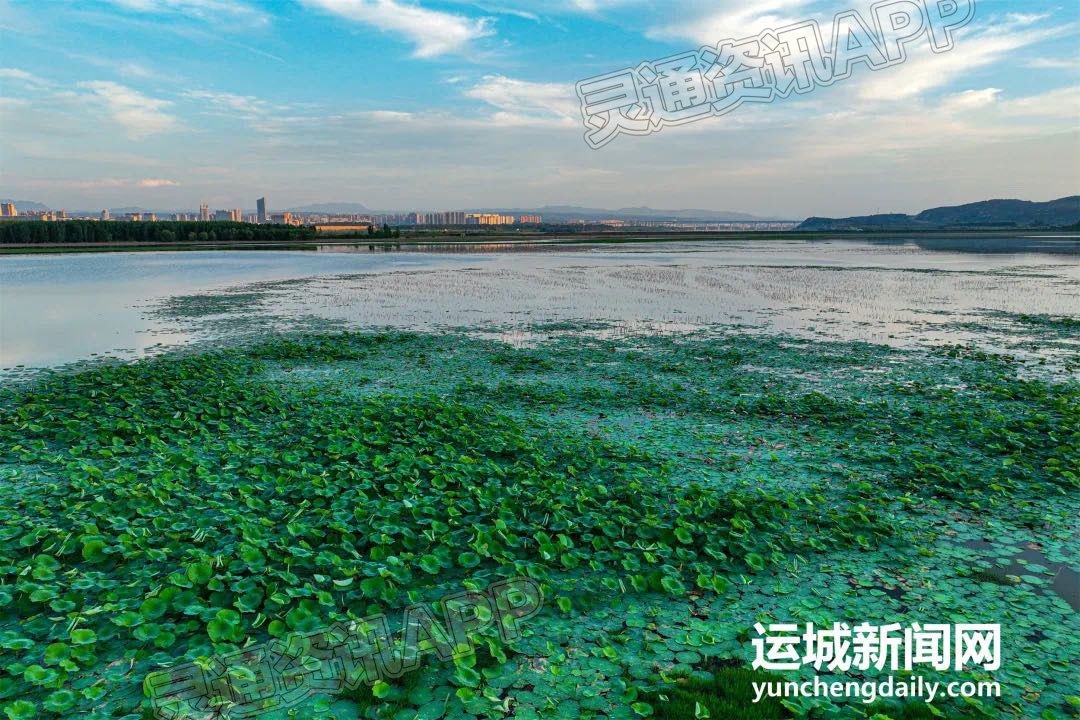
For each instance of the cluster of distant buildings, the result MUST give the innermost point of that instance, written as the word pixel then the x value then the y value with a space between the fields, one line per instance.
pixel 327 222
pixel 51 215
pixel 339 224
pixel 345 223
pixel 691 226
pixel 261 216
pixel 460 217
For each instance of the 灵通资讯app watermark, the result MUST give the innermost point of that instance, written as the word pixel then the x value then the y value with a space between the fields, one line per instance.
pixel 284 672
pixel 716 79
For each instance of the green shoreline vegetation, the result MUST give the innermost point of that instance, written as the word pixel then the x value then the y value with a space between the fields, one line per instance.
pixel 668 492
pixel 80 232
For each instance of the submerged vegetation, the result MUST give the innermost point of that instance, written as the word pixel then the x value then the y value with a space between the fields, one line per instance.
pixel 667 492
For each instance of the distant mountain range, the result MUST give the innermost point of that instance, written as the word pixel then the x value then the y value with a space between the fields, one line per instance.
pixel 574 212
pixel 557 212
pixel 25 205
pixel 1063 212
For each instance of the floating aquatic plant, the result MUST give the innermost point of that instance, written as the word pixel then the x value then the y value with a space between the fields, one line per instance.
pixel 666 491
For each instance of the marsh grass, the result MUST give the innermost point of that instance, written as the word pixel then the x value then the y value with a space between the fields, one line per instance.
pixel 716 690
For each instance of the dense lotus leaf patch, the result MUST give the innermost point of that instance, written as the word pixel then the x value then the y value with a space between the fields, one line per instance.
pixel 666 491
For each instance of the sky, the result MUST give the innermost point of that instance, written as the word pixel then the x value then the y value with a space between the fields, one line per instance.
pixel 419 104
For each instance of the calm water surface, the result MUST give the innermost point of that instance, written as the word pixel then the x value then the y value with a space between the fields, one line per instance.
pixel 56 309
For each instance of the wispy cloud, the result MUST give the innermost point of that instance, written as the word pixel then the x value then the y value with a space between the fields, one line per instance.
pixel 108 183
pixel 433 32
pixel 136 70
pixel 156 183
pixel 22 77
pixel 1058 104
pixel 973 118
pixel 925 70
pixel 1043 63
pixel 205 10
pixel 595 6
pixel 971 99
pixel 139 114
pixel 731 19
pixel 519 102
pixel 244 107
pixel 386 115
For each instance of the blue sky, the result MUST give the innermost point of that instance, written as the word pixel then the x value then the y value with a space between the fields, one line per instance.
pixel 410 105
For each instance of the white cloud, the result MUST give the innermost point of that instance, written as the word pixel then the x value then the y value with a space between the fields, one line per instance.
pixel 21 76
pixel 140 115
pixel 157 183
pixel 106 183
pixel 925 70
pixel 433 32
pixel 525 8
pixel 733 19
pixel 972 119
pixel 971 99
pixel 205 10
pixel 520 102
pixel 246 107
pixel 136 70
pixel 1026 18
pixel 1072 64
pixel 1061 103
pixel 386 115
pixel 591 6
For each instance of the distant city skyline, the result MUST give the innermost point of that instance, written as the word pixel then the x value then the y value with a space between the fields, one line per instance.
pixel 448 105
pixel 1057 212
pixel 426 215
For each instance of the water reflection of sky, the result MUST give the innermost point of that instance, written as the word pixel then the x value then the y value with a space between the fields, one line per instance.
pixel 59 308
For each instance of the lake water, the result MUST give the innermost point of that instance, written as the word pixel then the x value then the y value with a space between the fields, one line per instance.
pixel 56 309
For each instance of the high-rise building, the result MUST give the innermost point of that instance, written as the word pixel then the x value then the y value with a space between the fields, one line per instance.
pixel 8 210
pixel 237 215
pixel 261 210
pixel 489 219
pixel 105 214
pixel 204 212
